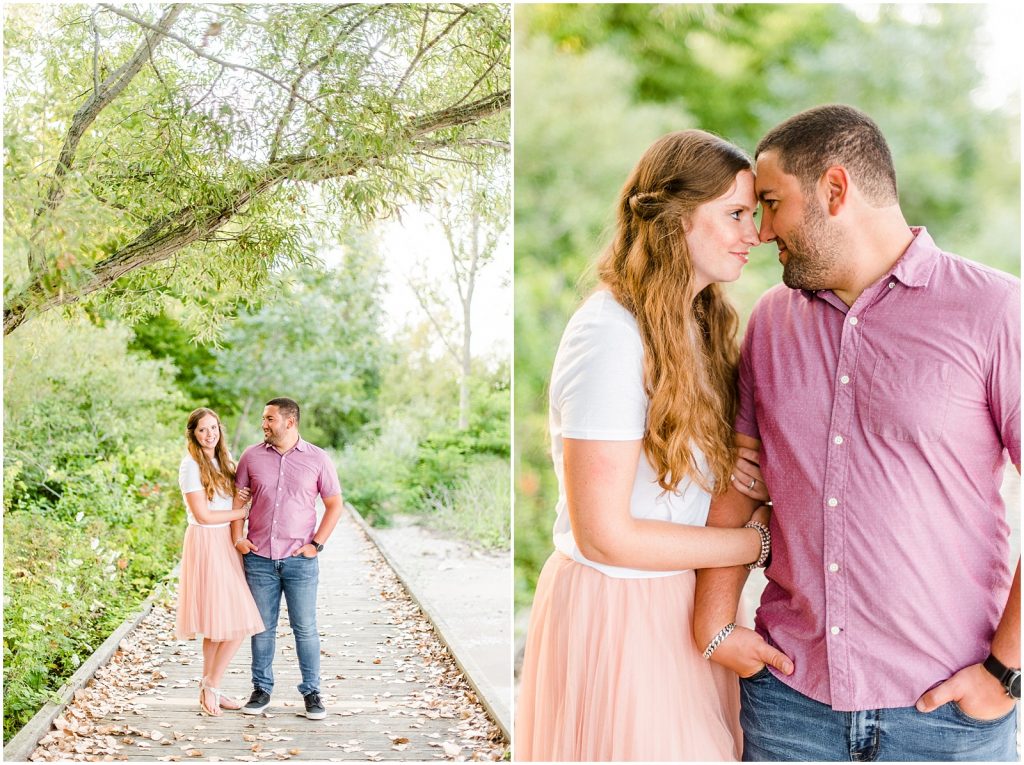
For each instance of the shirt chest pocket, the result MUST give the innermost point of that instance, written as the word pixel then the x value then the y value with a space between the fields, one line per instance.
pixel 909 399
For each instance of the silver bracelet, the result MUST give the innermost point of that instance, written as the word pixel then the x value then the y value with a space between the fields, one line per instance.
pixel 766 544
pixel 717 639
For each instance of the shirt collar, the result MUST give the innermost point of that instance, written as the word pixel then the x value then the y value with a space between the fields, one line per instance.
pixel 300 445
pixel 915 267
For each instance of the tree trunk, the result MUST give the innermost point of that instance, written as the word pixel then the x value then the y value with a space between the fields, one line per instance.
pixel 467 328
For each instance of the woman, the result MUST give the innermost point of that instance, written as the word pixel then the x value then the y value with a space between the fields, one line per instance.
pixel 213 597
pixel 641 407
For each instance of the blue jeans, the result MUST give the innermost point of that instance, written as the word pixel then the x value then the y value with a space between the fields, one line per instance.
pixel 780 724
pixel 297 579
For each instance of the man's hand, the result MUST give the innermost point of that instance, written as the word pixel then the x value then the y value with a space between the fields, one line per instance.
pixel 745 653
pixel 306 551
pixel 245 547
pixel 746 474
pixel 974 689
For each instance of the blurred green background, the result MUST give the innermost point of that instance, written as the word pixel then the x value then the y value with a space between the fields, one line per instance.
pixel 595 84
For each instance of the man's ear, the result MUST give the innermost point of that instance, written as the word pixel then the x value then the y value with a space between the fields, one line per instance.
pixel 836 183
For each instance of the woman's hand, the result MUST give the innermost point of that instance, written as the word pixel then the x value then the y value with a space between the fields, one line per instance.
pixel 244 494
pixel 746 475
pixel 763 514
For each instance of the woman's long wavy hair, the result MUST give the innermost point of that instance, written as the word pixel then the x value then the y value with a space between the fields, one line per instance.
pixel 690 347
pixel 215 480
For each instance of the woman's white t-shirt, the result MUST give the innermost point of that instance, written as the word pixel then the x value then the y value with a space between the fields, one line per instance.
pixel 597 393
pixel 189 481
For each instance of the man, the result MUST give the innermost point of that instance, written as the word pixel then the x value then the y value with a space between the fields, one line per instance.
pixel 285 475
pixel 882 386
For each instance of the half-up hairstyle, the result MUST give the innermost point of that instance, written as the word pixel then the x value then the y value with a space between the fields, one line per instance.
pixel 690 348
pixel 216 479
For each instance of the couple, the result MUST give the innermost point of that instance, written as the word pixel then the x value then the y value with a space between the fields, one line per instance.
pixel 879 393
pixel 282 478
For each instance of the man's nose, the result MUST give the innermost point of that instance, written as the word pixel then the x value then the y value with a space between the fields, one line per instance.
pixel 766 232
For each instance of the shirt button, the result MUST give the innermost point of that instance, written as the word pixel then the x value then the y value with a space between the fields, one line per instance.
pixel 832 501
pixel 833 567
pixel 835 630
pixel 853 320
pixel 844 379
pixel 892 284
pixel 837 440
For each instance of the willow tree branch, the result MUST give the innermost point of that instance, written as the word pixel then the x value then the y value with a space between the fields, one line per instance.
pixel 87 113
pixel 192 223
pixel 215 59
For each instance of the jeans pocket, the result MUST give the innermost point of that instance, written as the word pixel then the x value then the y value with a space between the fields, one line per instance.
pixel 761 674
pixel 976 722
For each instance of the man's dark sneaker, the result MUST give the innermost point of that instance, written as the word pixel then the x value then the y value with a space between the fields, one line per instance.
pixel 314 707
pixel 259 701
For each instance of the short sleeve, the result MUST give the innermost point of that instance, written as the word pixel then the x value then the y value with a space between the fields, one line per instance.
pixel 327 484
pixel 598 379
pixel 1003 384
pixel 242 471
pixel 188 476
pixel 746 416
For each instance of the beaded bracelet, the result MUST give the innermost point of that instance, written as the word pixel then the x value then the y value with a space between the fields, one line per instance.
pixel 717 639
pixel 766 544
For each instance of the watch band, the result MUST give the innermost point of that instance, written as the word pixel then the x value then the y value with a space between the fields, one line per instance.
pixel 1008 677
pixel 319 547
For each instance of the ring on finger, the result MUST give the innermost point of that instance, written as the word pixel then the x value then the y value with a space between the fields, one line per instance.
pixel 752 482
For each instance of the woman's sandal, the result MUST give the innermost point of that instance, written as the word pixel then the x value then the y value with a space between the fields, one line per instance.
pixel 226 702
pixel 203 689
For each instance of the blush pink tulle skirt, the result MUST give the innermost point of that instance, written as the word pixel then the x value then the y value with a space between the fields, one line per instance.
pixel 213 597
pixel 611 673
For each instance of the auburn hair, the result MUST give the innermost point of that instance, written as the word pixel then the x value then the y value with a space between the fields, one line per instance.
pixel 690 347
pixel 215 479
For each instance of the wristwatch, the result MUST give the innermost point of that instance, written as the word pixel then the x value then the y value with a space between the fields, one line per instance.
pixel 1007 677
pixel 320 548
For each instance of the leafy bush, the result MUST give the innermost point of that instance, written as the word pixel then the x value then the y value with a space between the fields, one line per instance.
pixel 476 507
pixel 374 472
pixel 92 517
pixel 67 586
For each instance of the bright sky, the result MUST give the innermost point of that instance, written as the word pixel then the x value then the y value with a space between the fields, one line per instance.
pixel 417 240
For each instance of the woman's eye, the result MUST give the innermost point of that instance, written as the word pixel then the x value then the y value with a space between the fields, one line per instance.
pixel 735 215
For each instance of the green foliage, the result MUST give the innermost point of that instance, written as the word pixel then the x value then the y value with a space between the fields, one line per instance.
pixel 195 183
pixel 596 83
pixel 92 516
pixel 419 461
pixel 476 506
pixel 67 585
pixel 317 342
pixel 86 422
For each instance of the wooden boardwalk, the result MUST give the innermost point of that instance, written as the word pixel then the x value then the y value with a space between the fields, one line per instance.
pixel 391 690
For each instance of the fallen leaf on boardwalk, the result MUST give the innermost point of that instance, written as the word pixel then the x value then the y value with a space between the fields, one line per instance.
pixel 294 751
pixel 399 739
pixel 376 661
pixel 401 747
pixel 194 752
pixel 248 737
pixel 156 735
pixel 451 749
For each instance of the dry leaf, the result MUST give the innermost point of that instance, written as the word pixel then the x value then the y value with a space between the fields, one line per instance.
pixel 451 749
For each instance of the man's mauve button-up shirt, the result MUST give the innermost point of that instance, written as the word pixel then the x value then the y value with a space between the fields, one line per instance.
pixel 885 428
pixel 284 491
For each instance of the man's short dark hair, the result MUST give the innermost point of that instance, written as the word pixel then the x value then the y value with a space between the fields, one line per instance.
pixel 286 406
pixel 835 134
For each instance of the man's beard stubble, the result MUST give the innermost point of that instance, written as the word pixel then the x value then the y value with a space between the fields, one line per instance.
pixel 813 253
